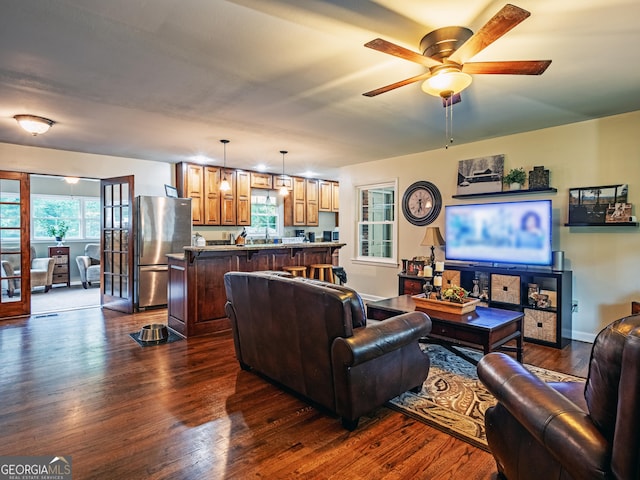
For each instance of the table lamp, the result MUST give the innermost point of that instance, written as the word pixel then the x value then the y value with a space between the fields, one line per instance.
pixel 432 238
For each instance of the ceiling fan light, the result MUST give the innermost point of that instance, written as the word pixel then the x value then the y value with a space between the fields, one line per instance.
pixel 33 124
pixel 452 81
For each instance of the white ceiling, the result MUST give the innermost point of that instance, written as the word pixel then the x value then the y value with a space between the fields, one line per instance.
pixel 167 79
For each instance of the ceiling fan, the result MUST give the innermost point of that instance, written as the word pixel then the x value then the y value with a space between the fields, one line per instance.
pixel 446 51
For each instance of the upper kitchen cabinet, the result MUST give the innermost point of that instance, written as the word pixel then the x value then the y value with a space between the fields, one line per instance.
pixel 335 197
pixel 324 204
pixel 280 181
pixel 312 195
pixel 212 196
pixel 228 198
pixel 190 184
pixel 295 204
pixel 262 180
pixel 244 181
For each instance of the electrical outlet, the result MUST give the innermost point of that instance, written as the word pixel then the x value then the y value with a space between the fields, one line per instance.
pixel 574 305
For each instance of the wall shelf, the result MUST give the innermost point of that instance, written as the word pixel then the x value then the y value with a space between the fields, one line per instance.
pixel 610 224
pixel 506 192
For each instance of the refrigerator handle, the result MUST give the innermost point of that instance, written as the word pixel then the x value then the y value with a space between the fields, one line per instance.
pixel 140 234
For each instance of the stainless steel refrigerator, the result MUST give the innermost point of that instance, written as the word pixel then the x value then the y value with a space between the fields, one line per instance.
pixel 163 225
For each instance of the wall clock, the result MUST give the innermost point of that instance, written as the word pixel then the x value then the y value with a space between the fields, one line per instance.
pixel 421 203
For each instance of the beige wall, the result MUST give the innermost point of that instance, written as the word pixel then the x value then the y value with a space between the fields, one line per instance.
pixel 604 260
pixel 150 177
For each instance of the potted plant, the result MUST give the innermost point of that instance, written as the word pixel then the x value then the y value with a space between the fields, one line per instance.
pixel 515 178
pixel 455 294
pixel 58 230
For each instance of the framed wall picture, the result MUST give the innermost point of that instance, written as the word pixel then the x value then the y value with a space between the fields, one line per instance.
pixel 170 191
pixel 590 205
pixel 480 175
pixel 618 212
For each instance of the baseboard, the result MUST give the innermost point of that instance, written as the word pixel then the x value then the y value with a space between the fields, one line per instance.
pixel 583 336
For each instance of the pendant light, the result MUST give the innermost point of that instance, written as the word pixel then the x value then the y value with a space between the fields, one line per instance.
pixel 283 189
pixel 224 185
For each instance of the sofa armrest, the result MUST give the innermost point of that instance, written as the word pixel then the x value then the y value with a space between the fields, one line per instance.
pixel 380 338
pixel 551 418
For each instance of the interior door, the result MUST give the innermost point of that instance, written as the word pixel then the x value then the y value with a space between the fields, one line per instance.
pixel 15 295
pixel 116 266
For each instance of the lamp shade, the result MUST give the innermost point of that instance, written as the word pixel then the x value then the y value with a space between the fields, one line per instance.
pixel 432 237
pixel 33 124
pixel 446 83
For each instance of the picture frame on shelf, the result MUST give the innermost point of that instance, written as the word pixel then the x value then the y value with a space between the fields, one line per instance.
pixel 170 191
pixel 589 205
pixel 538 178
pixel 480 175
pixel 618 212
pixel 415 267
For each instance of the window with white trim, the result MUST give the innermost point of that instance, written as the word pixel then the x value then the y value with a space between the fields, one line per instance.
pixel 265 214
pixel 81 214
pixel 377 237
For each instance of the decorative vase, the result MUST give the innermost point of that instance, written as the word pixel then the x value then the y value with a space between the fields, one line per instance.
pixel 59 240
pixel 515 186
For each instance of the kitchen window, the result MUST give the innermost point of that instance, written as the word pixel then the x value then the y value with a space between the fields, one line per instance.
pixel 377 229
pixel 266 214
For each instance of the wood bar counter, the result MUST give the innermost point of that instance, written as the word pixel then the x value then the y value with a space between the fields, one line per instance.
pixel 196 279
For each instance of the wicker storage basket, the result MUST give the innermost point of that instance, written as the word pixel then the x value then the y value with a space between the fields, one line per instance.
pixel 540 324
pixel 450 278
pixel 505 288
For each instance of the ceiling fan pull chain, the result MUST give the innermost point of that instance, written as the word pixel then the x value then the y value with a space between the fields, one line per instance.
pixel 448 121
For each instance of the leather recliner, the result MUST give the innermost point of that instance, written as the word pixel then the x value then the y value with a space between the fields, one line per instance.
pixel 569 430
pixel 312 337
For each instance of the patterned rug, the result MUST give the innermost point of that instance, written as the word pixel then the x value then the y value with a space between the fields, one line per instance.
pixel 453 399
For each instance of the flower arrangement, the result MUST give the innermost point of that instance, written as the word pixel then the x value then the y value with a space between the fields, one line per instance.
pixel 58 230
pixel 454 294
pixel 515 175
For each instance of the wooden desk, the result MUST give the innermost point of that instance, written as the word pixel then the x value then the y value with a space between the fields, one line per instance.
pixel 486 328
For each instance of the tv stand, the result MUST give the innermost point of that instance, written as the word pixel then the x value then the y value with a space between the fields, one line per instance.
pixel 507 287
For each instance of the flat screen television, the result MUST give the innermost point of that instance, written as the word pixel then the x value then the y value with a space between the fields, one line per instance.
pixel 506 232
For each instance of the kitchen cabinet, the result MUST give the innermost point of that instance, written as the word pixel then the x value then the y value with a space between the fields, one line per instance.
pixel 326 192
pixel 261 180
pixel 190 183
pixel 295 205
pixel 335 197
pixel 243 197
pixel 228 198
pixel 212 196
pixel 311 207
pixel 279 181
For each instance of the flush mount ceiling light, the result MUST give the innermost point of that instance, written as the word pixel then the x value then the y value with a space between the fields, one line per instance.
pixel 446 82
pixel 33 124
pixel 283 189
pixel 224 185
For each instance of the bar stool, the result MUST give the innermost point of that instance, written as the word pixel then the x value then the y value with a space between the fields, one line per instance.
pixel 321 271
pixel 296 271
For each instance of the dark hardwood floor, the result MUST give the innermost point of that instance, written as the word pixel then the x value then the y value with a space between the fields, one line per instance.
pixel 75 383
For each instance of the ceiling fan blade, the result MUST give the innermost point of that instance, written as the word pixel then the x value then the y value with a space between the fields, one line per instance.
pixel 503 21
pixel 399 84
pixel 397 51
pixel 521 67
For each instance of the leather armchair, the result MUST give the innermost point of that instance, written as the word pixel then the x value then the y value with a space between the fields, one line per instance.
pixel 89 264
pixel 312 337
pixel 569 430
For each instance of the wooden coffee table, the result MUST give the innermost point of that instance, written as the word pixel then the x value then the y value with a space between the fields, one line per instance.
pixel 486 328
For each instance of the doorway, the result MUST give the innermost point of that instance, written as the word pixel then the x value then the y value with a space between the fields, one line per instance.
pixel 74 204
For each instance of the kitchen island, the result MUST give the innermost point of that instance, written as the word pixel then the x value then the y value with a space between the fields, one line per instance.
pixel 196 294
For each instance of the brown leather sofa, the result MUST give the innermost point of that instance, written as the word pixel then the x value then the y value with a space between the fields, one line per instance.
pixel 571 430
pixel 312 337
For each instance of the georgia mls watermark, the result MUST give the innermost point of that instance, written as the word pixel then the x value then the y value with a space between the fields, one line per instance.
pixel 35 468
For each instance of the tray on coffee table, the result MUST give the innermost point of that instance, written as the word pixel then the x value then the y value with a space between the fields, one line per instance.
pixel 469 305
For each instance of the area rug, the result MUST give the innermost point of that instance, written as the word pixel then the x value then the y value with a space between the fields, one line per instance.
pixel 452 398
